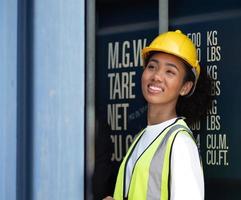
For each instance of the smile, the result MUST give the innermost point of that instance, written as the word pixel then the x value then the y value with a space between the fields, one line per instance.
pixel 155 88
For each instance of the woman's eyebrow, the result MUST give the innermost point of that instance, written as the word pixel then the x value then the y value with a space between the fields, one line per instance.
pixel 167 63
pixel 154 60
pixel 172 65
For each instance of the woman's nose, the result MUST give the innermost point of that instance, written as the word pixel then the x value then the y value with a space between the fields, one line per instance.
pixel 158 76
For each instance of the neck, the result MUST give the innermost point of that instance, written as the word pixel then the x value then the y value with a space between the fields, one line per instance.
pixel 157 114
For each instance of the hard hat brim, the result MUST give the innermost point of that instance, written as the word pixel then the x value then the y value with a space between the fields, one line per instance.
pixel 147 50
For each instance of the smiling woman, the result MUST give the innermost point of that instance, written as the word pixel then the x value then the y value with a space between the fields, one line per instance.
pixel 163 162
pixel 162 82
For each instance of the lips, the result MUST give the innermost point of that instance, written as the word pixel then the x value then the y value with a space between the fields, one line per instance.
pixel 155 89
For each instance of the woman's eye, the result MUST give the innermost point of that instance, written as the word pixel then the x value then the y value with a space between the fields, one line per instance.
pixel 171 72
pixel 150 66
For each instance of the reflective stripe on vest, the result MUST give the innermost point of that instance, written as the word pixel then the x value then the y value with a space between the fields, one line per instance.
pixel 158 182
pixel 150 175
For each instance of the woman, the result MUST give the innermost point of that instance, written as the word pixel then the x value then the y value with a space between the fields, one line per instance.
pixel 163 162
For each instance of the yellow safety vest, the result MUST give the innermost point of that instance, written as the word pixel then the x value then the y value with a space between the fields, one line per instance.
pixel 150 176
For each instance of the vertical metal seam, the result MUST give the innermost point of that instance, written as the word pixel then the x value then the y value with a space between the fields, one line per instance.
pixel 24 100
pixel 163 16
pixel 90 95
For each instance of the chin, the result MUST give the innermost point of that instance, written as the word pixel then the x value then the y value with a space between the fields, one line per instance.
pixel 154 100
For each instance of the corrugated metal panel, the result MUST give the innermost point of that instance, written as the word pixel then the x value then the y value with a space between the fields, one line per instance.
pixel 8 98
pixel 58 100
pixel 42 99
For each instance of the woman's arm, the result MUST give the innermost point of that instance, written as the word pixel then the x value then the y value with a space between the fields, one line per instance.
pixel 187 180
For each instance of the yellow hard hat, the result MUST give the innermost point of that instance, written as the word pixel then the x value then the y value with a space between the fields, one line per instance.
pixel 178 44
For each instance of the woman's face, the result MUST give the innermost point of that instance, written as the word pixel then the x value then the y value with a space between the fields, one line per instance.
pixel 162 79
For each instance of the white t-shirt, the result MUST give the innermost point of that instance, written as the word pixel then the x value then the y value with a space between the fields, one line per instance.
pixel 186 173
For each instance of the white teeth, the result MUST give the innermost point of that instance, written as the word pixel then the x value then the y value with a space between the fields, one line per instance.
pixel 155 88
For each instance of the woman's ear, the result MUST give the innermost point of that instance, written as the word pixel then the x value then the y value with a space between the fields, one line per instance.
pixel 186 88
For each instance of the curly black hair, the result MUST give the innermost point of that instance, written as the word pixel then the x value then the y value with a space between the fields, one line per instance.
pixel 195 107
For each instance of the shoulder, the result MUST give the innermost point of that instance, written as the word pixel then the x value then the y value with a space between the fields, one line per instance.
pixel 185 143
pixel 184 137
pixel 185 150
